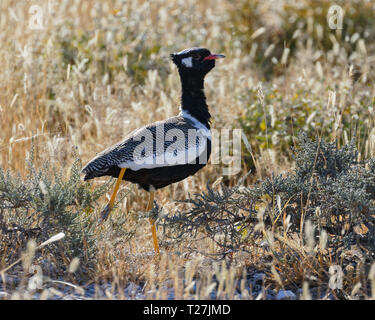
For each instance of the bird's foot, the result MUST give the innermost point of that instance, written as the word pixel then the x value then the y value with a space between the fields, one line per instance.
pixel 105 213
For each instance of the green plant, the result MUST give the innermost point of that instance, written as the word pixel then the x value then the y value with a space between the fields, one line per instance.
pixel 328 187
pixel 47 202
pixel 313 215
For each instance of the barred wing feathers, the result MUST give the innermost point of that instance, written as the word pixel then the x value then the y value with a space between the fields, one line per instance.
pixel 160 144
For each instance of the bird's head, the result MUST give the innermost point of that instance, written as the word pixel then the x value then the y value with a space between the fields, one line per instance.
pixel 195 61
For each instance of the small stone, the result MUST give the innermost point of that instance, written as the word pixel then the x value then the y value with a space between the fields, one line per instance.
pixel 285 295
pixel 258 277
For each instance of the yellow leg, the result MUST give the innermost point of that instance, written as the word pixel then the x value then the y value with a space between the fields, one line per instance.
pixel 109 206
pixel 152 222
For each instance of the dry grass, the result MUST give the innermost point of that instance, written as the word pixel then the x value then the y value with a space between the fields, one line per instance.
pixel 99 69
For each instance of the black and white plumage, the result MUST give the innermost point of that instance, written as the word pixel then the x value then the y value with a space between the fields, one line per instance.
pixel 168 151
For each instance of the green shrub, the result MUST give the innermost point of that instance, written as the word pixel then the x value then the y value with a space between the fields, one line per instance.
pixel 47 202
pixel 329 187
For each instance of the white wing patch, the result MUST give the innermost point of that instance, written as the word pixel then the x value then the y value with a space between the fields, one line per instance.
pixel 152 152
pixel 187 62
pixel 177 153
pixel 197 124
pixel 172 157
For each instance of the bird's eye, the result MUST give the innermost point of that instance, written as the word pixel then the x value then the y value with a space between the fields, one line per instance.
pixel 196 56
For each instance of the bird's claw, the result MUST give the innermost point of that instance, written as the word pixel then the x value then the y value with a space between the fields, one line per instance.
pixel 104 214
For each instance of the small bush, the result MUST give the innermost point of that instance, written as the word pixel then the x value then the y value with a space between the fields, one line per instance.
pixel 46 202
pixel 328 186
pixel 329 194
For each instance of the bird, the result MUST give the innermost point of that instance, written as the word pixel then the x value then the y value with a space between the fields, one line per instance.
pixel 164 152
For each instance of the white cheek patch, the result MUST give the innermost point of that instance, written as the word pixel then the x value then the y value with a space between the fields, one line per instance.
pixel 187 62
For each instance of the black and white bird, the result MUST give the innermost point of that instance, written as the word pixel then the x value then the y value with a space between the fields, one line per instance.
pixel 168 151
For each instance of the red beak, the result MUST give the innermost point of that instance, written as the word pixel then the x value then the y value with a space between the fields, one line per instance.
pixel 214 56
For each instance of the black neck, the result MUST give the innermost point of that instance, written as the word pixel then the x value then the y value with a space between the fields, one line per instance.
pixel 193 99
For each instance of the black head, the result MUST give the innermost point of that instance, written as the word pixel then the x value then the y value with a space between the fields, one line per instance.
pixel 195 61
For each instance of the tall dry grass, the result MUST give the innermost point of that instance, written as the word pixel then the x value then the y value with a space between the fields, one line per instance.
pixel 96 70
